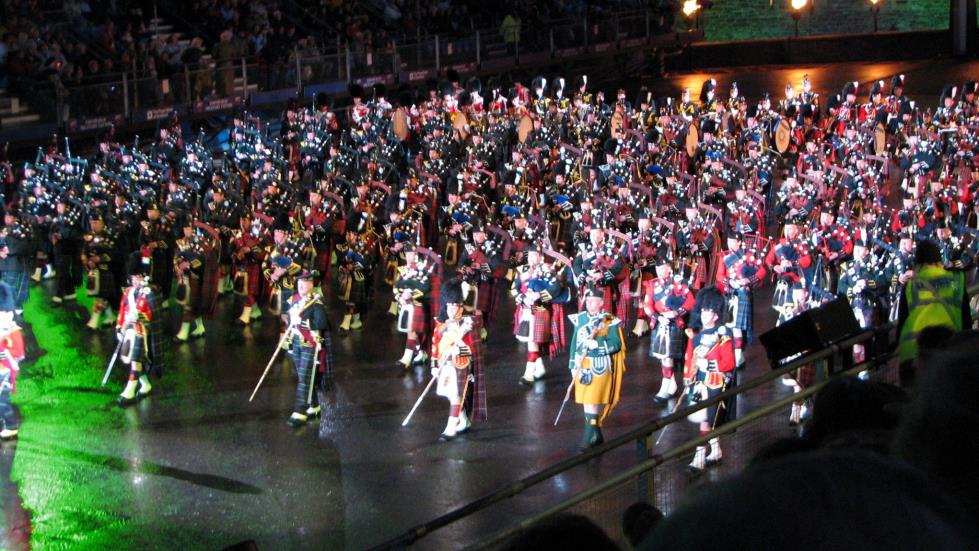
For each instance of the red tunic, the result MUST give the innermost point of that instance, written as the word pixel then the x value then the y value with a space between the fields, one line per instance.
pixel 12 352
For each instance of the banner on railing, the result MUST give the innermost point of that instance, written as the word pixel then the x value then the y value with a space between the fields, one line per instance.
pixel 418 75
pixel 158 113
pixel 462 68
pixel 218 104
pixel 568 52
pixel 87 124
pixel 367 82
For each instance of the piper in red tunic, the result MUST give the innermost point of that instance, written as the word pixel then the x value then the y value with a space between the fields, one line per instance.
pixel 458 361
pixel 11 353
pixel 708 370
pixel 137 328
pixel 668 300
pixel 539 313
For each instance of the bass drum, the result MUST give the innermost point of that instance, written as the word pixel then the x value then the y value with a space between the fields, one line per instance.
pixel 461 124
pixel 399 123
pixel 880 140
pixel 691 140
pixel 525 127
pixel 783 135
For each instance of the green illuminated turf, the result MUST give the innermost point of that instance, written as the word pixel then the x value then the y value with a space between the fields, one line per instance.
pixel 77 460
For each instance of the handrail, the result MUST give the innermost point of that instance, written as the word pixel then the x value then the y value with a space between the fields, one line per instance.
pixel 660 459
pixel 413 534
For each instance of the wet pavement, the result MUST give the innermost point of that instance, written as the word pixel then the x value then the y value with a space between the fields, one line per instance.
pixel 197 466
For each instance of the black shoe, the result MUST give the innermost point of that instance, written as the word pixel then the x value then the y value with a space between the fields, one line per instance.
pixel 596 440
pixel 127 401
pixel 297 420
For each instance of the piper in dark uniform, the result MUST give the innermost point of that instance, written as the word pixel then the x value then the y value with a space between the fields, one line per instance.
pixel 413 291
pixel 861 282
pixel 99 253
pixel 284 261
pixel 708 370
pixel 740 272
pixel 138 328
pixel 156 238
pixel 66 236
pixel 189 267
pixel 247 255
pixel 310 347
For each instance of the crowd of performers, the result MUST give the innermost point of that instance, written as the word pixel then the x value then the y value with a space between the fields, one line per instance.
pixel 621 209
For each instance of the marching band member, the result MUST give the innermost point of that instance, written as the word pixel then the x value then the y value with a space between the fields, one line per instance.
pixel 309 344
pixel 708 370
pixel 597 364
pixel 456 351
pixel 740 272
pixel 539 296
pixel 668 300
pixel 11 353
pixel 247 256
pixel 138 331
pixel 413 292
pixel 99 252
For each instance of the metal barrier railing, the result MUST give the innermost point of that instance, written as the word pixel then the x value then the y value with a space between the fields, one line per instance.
pixel 611 492
pixel 828 361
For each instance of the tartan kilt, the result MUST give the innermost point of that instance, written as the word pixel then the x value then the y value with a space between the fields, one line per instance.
pixel 419 320
pixel 326 356
pixel 192 298
pixel 538 328
pixel 667 341
pixel 106 285
pixel 322 263
pixel 486 300
pixel 739 316
pixel 19 285
pixel 541 326
pixel 247 279
pixel 133 349
pixel 700 272
pixel 351 287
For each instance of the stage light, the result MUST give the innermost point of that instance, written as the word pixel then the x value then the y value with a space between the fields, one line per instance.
pixel 690 7
pixel 797 6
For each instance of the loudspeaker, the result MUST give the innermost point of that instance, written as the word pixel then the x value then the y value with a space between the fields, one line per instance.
pixel 811 330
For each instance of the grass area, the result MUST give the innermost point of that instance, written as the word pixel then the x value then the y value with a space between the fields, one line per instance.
pixel 72 464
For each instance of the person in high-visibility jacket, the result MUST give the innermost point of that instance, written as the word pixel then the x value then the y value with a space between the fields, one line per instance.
pixel 933 297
